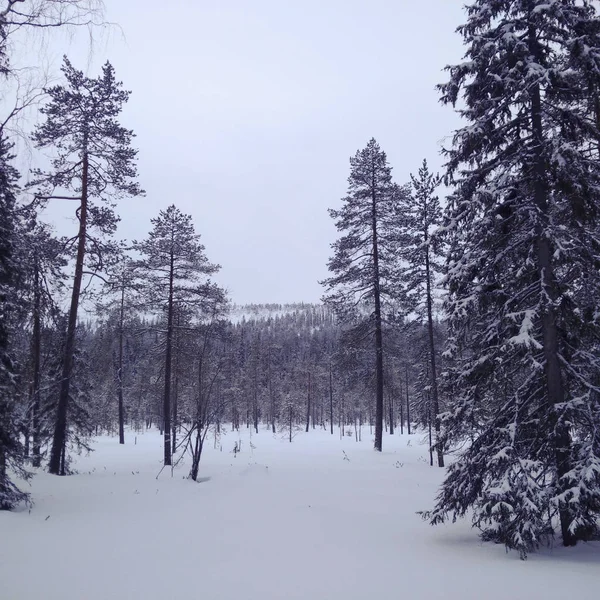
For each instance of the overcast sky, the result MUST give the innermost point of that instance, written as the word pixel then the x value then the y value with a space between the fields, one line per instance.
pixel 247 111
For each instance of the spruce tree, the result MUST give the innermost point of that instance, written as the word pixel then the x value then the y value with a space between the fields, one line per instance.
pixel 364 257
pixel 93 164
pixel 523 273
pixel 11 449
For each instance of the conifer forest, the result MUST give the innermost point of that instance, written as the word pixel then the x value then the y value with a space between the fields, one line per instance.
pixel 396 394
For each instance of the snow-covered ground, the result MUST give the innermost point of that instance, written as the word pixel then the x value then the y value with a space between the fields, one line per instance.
pixel 320 518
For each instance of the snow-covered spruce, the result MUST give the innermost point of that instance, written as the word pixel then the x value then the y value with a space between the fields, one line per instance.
pixel 11 449
pixel 523 275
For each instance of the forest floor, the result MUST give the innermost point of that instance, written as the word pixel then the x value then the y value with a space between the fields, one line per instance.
pixel 319 518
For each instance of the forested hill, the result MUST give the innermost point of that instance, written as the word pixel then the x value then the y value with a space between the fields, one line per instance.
pixel 279 366
pixel 257 312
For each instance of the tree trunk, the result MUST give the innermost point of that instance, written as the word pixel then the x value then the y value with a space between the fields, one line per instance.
pixel 341 417
pixel 434 385
pixel 255 394
pixel 168 360
pixel 175 422
pixel 308 407
pixel 175 386
pixel 120 368
pixel 331 398
pixel 401 405
pixel 314 408
pixel 271 397
pixel 429 431
pixel 3 475
pixel 36 353
pixel 378 328
pixel 391 412
pixel 56 465
pixel 198 444
pixel 407 404
pixel 196 455
pixel 553 376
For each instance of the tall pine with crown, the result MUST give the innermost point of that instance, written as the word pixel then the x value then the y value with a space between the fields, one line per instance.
pixel 365 256
pixel 93 164
pixel 174 274
pixel 523 273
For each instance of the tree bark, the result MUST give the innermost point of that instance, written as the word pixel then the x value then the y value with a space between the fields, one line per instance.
pixel 3 475
pixel 429 431
pixel 56 465
pixel 175 386
pixel 308 407
pixel 432 365
pixel 330 398
pixel 271 397
pixel 401 404
pixel 120 367
pixel 36 353
pixel 168 363
pixel 255 393
pixel 378 327
pixel 198 444
pixel 407 404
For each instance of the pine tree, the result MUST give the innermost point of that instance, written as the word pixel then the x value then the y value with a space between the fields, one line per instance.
pixel 95 163
pixel 365 256
pixel 421 252
pixel 523 273
pixel 11 449
pixel 174 271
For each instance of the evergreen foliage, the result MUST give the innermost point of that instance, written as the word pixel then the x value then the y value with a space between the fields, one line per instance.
pixel 364 259
pixel 523 275
pixel 11 448
pixel 518 244
pixel 95 163
pixel 174 274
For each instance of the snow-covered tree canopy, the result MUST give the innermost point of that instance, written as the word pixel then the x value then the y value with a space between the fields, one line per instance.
pixel 523 271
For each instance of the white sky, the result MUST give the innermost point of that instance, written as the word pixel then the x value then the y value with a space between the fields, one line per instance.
pixel 247 111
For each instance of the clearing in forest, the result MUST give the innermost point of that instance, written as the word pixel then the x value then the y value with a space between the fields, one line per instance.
pixel 319 518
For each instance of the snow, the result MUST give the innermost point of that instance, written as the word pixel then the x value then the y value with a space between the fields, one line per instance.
pixel 318 518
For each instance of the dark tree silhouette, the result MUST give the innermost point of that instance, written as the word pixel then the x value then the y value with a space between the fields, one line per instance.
pixel 523 273
pixel 93 164
pixel 174 272
pixel 364 257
